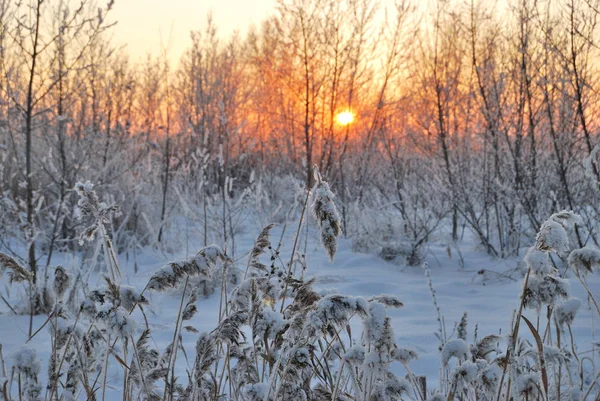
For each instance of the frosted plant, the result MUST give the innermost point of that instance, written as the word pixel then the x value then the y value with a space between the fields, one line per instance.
pixel 389 301
pixel 119 295
pixel 27 365
pixel 268 323
pixel 461 330
pixel 485 347
pixel 543 286
pixel 404 355
pixel 335 309
pixel 544 290
pixel 584 260
pixel 203 264
pixel 16 272
pixel 464 375
pixel 145 369
pixel 553 235
pixel 488 377
pixel 90 208
pixel 539 261
pixel 261 243
pixel 116 320
pixel 528 385
pixel 255 392
pixel 564 313
pixel 98 215
pixel 456 348
pixel 326 214
pixel 355 355
pixel 62 280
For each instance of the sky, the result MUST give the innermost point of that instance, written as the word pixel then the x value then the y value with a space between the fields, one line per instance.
pixel 147 26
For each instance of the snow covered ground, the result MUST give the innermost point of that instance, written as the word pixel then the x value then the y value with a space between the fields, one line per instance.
pixel 489 302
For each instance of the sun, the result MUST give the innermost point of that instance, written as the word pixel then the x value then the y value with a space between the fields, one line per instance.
pixel 345 117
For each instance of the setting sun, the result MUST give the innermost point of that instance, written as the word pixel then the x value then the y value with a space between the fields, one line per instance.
pixel 345 117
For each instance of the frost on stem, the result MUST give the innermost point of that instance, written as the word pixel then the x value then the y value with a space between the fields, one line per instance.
pixel 326 214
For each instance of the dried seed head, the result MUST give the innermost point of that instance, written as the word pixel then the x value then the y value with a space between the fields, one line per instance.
pixel 455 348
pixel 62 280
pixel 203 264
pixel 97 213
pixel 565 313
pixel 17 273
pixel 189 312
pixel 326 214
pixel 584 260
pixel 262 242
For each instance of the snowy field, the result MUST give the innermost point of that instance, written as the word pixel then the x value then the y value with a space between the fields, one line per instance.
pixel 489 299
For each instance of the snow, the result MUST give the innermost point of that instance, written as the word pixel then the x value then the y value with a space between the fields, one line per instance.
pixel 585 259
pixel 25 361
pixel 355 355
pixel 552 237
pixel 456 348
pixel 566 311
pixel 538 261
pixel 361 277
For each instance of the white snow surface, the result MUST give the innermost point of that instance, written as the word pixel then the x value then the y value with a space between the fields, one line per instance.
pixel 488 297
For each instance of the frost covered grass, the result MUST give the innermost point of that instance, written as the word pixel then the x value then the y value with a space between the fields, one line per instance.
pixel 277 336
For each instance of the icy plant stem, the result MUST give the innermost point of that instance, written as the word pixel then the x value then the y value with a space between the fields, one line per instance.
pixel 104 376
pixel 513 342
pixel 592 385
pixel 573 344
pixel 589 293
pixel 339 379
pixel 139 363
pixel 294 249
pixel 173 356
pixel 41 327
pixel 64 355
pixel 109 255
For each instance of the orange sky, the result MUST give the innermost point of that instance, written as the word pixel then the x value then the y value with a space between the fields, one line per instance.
pixel 142 25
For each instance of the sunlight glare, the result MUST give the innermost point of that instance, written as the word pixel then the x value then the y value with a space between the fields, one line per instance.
pixel 345 117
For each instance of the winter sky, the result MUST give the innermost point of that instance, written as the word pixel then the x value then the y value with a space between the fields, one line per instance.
pixel 147 26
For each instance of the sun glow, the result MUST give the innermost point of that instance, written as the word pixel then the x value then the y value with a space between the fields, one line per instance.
pixel 345 117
